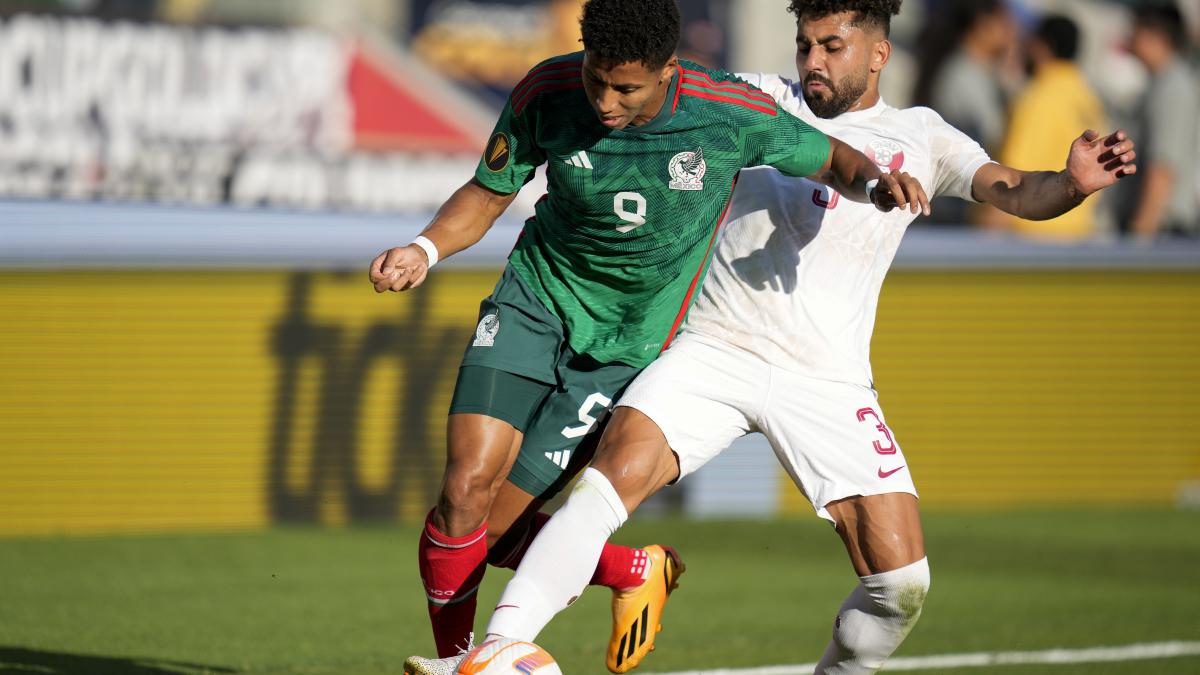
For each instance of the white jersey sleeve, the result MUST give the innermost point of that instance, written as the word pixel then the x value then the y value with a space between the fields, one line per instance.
pixel 956 157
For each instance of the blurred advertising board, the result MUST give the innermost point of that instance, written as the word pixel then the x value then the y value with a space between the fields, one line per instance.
pixel 490 44
pixel 293 118
pixel 248 398
pixel 232 368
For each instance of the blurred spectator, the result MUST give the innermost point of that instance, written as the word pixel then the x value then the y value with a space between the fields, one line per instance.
pixel 961 52
pixel 966 88
pixel 1164 200
pixel 1046 117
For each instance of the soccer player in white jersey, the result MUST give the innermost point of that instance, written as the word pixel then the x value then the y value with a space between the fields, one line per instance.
pixel 778 342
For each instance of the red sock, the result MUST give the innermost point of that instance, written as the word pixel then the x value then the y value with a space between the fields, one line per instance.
pixel 451 569
pixel 620 567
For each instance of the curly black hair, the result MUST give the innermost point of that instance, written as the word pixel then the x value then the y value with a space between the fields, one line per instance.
pixel 631 31
pixel 868 13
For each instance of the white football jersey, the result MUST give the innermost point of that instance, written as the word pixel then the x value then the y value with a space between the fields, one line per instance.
pixel 796 276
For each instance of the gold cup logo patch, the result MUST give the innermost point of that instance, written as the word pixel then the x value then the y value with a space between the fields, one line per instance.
pixel 498 153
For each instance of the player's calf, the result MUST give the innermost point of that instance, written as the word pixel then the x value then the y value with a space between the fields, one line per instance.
pixel 451 569
pixel 875 619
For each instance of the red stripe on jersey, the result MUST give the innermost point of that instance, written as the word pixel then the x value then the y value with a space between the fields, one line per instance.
pixel 740 87
pixel 518 106
pixel 546 72
pixel 713 96
pixel 678 87
pixel 730 91
pixel 687 300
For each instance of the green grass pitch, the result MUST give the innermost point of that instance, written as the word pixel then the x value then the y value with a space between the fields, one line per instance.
pixel 320 602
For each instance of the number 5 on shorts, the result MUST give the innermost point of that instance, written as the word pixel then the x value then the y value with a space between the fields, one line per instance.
pixel 587 421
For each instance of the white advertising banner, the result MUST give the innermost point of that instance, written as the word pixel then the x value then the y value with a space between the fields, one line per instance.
pixel 152 112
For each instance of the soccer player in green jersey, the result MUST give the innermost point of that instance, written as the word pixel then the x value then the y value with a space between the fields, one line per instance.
pixel 643 150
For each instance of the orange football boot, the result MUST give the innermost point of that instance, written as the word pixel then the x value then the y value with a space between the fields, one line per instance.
pixel 637 612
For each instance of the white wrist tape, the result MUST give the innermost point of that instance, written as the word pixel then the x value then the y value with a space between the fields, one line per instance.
pixel 427 246
pixel 871 185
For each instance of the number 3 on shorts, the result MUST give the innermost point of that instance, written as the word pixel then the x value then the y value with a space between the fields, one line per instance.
pixel 863 414
pixel 587 421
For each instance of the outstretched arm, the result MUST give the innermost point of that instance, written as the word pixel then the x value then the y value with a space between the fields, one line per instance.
pixel 853 175
pixel 462 221
pixel 1093 164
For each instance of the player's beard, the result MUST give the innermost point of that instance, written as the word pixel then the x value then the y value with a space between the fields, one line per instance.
pixel 841 96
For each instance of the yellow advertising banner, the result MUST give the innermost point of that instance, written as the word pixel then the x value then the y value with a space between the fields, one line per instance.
pixel 161 400
pixel 156 400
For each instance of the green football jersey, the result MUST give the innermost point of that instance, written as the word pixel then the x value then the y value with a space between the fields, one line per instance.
pixel 618 247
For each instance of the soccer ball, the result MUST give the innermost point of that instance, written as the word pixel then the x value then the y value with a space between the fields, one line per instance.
pixel 506 656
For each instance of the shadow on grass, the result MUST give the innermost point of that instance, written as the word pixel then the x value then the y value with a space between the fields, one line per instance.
pixel 18 661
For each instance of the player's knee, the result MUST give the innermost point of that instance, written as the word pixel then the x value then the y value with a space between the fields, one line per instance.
pixel 908 596
pixel 879 614
pixel 900 593
pixel 466 494
pixel 632 482
pixel 637 470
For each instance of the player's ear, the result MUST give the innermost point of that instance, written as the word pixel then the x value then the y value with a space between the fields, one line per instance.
pixel 669 69
pixel 880 54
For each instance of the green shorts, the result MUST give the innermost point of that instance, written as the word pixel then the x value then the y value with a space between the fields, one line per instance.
pixel 519 368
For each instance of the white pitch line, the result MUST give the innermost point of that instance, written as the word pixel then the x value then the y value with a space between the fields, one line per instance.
pixel 1135 652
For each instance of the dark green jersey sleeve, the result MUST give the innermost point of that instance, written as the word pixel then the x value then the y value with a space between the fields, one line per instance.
pixel 787 143
pixel 512 154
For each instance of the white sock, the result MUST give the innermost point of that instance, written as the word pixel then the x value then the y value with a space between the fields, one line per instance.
pixel 875 619
pixel 561 560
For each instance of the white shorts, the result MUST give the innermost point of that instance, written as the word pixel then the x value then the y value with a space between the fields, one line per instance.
pixel 830 436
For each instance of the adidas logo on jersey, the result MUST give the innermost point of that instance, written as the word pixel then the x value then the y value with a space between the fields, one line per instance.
pixel 560 457
pixel 579 159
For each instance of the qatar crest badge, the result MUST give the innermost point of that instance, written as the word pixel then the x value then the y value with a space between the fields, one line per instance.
pixel 887 154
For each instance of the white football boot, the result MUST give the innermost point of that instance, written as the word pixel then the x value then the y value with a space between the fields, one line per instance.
pixel 419 665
